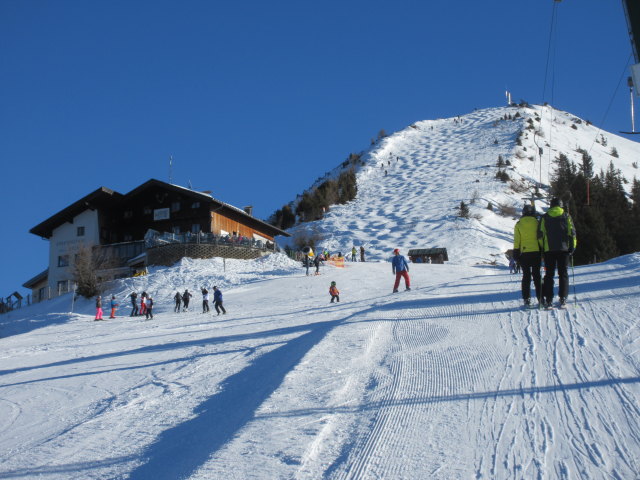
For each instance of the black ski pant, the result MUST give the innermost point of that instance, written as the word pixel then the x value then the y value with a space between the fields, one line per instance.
pixel 205 306
pixel 178 305
pixel 530 263
pixel 553 260
pixel 335 297
pixel 218 305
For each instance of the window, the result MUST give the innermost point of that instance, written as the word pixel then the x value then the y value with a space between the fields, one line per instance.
pixel 63 261
pixel 195 228
pixel 175 206
pixel 63 286
pixel 195 205
pixel 80 232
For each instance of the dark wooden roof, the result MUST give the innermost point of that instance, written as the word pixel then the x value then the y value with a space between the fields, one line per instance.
pixel 105 197
pixel 37 279
pixel 99 198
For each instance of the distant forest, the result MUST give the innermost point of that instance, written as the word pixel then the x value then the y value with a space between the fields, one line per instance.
pixel 607 221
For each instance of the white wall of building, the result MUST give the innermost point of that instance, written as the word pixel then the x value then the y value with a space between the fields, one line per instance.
pixel 65 241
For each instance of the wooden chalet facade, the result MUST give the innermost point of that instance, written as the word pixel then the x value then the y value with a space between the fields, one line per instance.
pixel 118 223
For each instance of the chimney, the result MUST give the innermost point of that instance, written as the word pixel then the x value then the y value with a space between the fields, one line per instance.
pixel 249 210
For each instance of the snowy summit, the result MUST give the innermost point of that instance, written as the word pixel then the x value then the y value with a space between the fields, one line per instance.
pixel 451 380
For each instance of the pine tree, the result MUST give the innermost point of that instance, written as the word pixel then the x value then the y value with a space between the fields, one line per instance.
pixel 463 210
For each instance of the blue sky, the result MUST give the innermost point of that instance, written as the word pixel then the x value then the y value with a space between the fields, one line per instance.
pixel 255 100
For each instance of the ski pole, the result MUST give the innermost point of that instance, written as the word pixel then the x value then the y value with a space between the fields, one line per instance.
pixel 573 280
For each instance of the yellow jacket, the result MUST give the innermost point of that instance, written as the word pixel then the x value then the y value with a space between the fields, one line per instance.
pixel 525 235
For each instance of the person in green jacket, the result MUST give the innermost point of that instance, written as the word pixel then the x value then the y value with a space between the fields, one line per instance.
pixel 526 251
pixel 557 239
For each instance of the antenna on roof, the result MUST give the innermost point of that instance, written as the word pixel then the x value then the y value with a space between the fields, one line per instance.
pixel 170 168
pixel 190 187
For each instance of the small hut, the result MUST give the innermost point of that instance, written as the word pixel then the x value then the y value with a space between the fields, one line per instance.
pixel 428 255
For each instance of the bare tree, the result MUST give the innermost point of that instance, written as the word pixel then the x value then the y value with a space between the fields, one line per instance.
pixel 84 273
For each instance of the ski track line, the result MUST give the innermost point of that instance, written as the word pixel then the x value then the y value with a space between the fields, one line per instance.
pixel 380 451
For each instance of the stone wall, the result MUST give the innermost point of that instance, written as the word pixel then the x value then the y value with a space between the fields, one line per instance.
pixel 168 255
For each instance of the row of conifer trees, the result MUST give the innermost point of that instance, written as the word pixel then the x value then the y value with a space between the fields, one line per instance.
pixel 607 220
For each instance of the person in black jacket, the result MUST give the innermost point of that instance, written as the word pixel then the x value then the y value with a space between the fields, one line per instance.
pixel 134 304
pixel 316 262
pixel 178 298
pixel 557 239
pixel 185 299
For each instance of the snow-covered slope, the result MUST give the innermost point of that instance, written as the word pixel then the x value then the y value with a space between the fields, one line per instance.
pixel 413 181
pixel 448 381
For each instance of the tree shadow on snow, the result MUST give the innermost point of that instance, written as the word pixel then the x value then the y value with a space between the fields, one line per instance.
pixel 179 451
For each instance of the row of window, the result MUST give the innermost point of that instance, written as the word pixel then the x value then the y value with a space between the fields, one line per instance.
pixel 175 207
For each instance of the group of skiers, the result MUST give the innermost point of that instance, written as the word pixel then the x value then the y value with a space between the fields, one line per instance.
pixel 146 306
pixel 182 300
pixel 354 254
pixel 146 303
pixel 552 236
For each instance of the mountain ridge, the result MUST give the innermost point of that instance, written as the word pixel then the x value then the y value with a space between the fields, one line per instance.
pixel 410 182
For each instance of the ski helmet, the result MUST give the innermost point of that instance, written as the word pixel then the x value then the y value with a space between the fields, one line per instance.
pixel 556 202
pixel 396 250
pixel 333 283
pixel 528 210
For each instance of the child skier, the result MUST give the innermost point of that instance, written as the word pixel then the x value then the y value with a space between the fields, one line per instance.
pixel 98 308
pixel 334 292
pixel 114 305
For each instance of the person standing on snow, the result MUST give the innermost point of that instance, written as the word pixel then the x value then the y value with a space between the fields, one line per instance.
pixel 98 308
pixel 316 262
pixel 362 253
pixel 178 298
pixel 400 268
pixel 353 254
pixel 557 238
pixel 205 300
pixel 114 305
pixel 308 256
pixel 217 300
pixel 334 292
pixel 185 299
pixel 526 251
pixel 149 307
pixel 134 304
pixel 143 304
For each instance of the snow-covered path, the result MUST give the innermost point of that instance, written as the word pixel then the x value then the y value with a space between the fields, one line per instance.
pixel 450 380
